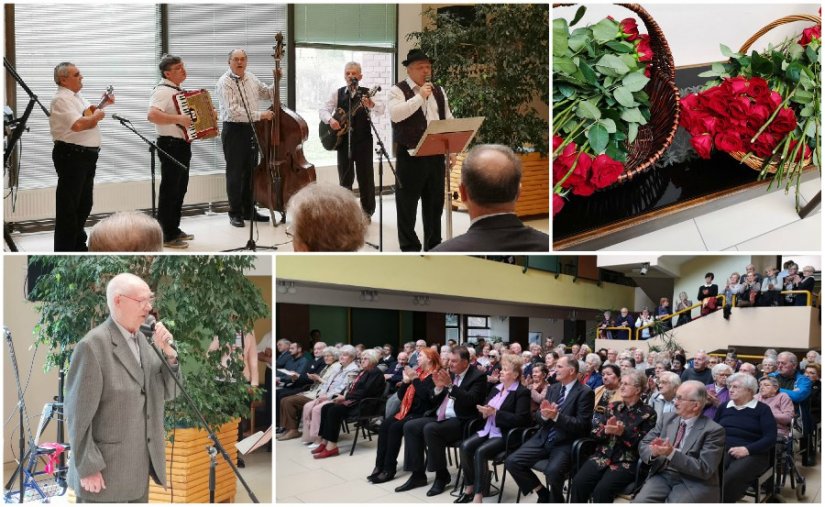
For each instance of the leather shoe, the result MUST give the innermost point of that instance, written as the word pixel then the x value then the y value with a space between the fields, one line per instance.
pixel 258 217
pixel 236 221
pixel 437 487
pixel 321 448
pixel 374 474
pixel 328 453
pixel 384 477
pixel 412 483
pixel 464 498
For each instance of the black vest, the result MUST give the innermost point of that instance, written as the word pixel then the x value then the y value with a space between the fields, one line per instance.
pixel 407 133
pixel 360 129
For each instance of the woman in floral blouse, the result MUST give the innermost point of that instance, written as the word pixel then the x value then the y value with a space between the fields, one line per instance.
pixel 613 466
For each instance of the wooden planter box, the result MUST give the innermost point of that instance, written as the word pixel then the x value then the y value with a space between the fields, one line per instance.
pixel 535 185
pixel 187 472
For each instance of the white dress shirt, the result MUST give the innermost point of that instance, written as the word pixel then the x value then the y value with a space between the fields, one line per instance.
pixel 401 109
pixel 229 100
pixel 326 112
pixel 163 99
pixel 66 108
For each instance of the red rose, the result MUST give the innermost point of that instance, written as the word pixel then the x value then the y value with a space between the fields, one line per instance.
pixel 584 189
pixel 764 145
pixel 728 141
pixel 581 174
pixel 703 145
pixel 804 153
pixel 759 114
pixel 735 85
pixel 644 53
pixel 567 156
pixel 606 171
pixel 629 29
pixel 558 203
pixel 784 122
pixel 774 99
pixel 715 99
pixel 758 89
pixel 810 34
pixel 739 107
pixel 557 140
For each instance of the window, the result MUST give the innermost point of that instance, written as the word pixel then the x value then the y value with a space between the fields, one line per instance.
pixel 326 38
pixel 478 326
pixel 453 332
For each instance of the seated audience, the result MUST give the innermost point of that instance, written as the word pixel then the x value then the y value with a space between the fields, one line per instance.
pixel 564 416
pixel 607 321
pixel 677 364
pixel 750 436
pixel 369 383
pixel 341 378
pixel 718 394
pixel 707 295
pixel 291 406
pixel 613 466
pixel 417 395
pixel 627 364
pixel 789 280
pixel 639 358
pixel 296 364
pixel 771 287
pixel 550 360
pixel 806 282
pixel 663 312
pixel 592 378
pixel 606 393
pixel 126 231
pixel 612 356
pixel 490 186
pixel 684 450
pixel 768 365
pixel 811 357
pixel 457 399
pixel 732 360
pixel 326 218
pixel 667 384
pixel 683 304
pixel 812 371
pixel 748 368
pixel 507 406
pixel 538 386
pixel 751 290
pixel 780 404
pixel 493 367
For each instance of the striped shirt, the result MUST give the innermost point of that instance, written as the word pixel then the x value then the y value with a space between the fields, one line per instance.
pixel 229 100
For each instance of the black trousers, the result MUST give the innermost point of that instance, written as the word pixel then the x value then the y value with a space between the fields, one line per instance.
pixel 600 483
pixel 241 158
pixel 266 419
pixel 75 168
pixel 519 465
pixel 739 473
pixel 475 452
pixel 332 415
pixel 422 178
pixel 173 184
pixel 427 434
pixel 362 168
pixel 390 437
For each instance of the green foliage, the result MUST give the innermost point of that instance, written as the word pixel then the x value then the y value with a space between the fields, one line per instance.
pixel 196 299
pixel 495 67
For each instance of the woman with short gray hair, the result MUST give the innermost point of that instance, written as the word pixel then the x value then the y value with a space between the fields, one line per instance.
pixel 718 393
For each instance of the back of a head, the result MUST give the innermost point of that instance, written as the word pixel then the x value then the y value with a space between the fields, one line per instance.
pixel 126 231
pixel 327 218
pixel 491 174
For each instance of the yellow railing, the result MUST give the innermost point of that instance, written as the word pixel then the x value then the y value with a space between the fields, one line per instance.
pixel 808 296
pixel 667 317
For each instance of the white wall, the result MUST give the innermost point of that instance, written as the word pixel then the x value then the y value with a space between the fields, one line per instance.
pixel 694 30
pixel 549 328
pixel 500 326
pixel 693 274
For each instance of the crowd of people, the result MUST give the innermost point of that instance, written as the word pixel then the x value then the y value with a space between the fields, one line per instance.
pixel 702 427
pixel 788 287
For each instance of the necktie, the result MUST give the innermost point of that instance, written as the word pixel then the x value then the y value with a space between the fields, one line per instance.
pixel 680 434
pixel 551 435
pixel 442 409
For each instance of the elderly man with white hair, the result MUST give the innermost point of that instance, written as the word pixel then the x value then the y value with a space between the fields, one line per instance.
pixel 667 383
pixel 115 393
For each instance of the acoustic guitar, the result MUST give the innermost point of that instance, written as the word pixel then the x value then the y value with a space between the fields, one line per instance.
pixel 107 98
pixel 332 139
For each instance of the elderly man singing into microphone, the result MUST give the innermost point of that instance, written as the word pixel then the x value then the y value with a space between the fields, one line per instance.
pixel 116 388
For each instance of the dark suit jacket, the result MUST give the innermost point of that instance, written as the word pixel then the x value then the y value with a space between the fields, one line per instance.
pixel 470 393
pixel 114 412
pixel 575 416
pixel 515 411
pixel 697 463
pixel 370 385
pixel 304 382
pixel 498 233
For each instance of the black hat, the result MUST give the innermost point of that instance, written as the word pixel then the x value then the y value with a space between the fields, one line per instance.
pixel 415 55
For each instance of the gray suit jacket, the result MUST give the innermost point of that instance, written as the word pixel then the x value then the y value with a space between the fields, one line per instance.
pixel 114 411
pixel 697 463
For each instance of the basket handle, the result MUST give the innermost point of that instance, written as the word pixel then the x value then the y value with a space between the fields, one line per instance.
pixel 779 22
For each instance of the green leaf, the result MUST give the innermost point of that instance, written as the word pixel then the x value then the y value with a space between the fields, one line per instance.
pixel 726 52
pixel 611 65
pixel 616 151
pixel 761 65
pixel 802 96
pixel 578 39
pixel 635 81
pixel 587 73
pixel 633 115
pixel 793 71
pixel 564 65
pixel 608 124
pixel 566 90
pixel 632 132
pixel 560 35
pixel 624 97
pixel 598 137
pixel 605 30
pixel 810 130
pixel 620 47
pixel 807 111
pixel 579 13
pixel 586 110
pixel 795 51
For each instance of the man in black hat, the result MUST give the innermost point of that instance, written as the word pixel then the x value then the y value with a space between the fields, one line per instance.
pixel 414 103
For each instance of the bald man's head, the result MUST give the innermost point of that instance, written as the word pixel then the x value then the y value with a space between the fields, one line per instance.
pixel 491 176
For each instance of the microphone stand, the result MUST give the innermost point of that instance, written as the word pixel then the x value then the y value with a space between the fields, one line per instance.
pixel 216 444
pixel 382 152
pixel 152 148
pixel 256 145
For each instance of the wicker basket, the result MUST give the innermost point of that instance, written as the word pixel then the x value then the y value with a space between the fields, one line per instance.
pixel 654 138
pixel 753 161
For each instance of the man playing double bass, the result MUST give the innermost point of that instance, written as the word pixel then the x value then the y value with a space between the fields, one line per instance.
pixel 237 134
pixel 360 133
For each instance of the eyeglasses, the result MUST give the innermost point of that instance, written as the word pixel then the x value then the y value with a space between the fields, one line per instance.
pixel 150 300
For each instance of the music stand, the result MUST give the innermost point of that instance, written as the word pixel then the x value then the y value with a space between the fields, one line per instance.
pixel 443 137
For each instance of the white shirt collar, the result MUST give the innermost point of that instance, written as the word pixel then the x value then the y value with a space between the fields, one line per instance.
pixel 750 404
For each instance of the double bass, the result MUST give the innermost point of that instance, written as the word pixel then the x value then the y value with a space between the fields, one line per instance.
pixel 283 169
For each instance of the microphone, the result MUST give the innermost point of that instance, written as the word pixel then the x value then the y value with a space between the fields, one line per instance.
pixel 353 81
pixel 148 329
pixel 120 118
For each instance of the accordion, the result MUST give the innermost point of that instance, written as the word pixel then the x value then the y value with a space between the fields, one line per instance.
pixel 198 105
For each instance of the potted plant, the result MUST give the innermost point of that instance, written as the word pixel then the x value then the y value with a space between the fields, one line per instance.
pixel 494 63
pixel 196 297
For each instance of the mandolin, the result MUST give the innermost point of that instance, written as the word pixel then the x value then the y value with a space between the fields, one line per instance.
pixel 332 139
pixel 107 98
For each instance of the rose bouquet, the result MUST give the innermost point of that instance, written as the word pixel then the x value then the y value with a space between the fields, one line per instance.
pixel 763 108
pixel 599 102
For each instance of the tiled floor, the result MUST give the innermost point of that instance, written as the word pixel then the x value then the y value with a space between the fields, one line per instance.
pixel 765 223
pixel 342 479
pixel 213 233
